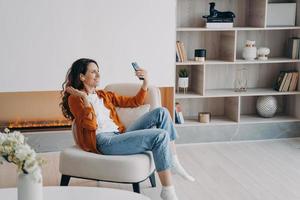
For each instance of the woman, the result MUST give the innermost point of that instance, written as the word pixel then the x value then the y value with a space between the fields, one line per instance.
pixel 99 129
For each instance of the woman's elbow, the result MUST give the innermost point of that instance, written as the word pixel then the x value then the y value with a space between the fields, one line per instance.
pixel 89 124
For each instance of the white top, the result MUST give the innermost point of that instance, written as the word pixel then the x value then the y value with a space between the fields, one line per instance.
pixel 77 193
pixel 105 123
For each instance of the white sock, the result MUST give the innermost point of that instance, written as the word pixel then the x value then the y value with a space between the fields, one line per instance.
pixel 168 193
pixel 178 169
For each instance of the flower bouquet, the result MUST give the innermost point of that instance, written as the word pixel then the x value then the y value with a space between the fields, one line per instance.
pixel 14 149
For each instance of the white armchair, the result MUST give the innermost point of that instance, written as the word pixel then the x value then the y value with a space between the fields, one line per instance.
pixel 131 169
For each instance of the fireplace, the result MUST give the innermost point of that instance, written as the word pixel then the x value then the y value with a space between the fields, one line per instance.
pixel 32 111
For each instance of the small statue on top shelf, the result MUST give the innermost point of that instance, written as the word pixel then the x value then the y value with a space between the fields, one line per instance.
pixel 213 13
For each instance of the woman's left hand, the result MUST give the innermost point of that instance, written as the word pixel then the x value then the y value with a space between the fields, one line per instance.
pixel 142 73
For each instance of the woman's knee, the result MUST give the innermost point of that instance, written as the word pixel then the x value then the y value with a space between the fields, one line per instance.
pixel 162 111
pixel 162 136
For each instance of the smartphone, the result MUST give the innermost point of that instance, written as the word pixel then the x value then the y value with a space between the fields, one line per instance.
pixel 136 67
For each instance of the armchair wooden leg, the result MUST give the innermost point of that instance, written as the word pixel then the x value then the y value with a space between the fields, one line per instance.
pixel 136 187
pixel 64 181
pixel 152 180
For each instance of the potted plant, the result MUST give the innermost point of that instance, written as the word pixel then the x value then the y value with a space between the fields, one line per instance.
pixel 183 80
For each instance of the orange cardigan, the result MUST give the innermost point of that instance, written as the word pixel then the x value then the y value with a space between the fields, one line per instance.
pixel 86 126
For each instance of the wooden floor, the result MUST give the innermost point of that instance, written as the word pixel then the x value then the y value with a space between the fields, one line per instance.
pixel 255 170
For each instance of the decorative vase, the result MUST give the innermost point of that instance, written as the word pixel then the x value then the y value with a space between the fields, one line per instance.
pixel 29 188
pixel 250 50
pixel 266 106
pixel 241 79
pixel 183 82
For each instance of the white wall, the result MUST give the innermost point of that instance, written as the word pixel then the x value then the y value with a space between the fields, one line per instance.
pixel 39 40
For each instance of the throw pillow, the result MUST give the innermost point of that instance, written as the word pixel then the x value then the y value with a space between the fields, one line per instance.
pixel 129 115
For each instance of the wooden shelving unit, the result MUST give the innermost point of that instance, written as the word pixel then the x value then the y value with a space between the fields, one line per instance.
pixel 211 85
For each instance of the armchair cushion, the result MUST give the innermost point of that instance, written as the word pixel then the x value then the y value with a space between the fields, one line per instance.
pixel 153 97
pixel 129 115
pixel 125 168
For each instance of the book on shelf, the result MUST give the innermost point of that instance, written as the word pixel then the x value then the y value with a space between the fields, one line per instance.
pixel 283 82
pixel 218 19
pixel 294 81
pixel 180 51
pixel 279 81
pixel 219 24
pixel 286 81
pixel 183 51
pixel 294 48
pixel 178 54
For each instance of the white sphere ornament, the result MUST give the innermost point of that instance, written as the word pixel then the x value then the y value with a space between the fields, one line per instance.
pixel 266 106
pixel 262 53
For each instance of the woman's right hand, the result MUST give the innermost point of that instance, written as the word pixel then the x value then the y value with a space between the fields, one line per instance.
pixel 76 92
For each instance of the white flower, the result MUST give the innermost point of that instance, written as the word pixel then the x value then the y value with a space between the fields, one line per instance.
pixel 24 151
pixel 3 138
pixel 30 165
pixel 13 148
pixel 7 150
pixel 6 130
pixel 37 175
pixel 17 137
pixel 10 141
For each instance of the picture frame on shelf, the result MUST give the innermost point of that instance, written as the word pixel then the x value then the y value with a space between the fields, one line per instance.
pixel 274 18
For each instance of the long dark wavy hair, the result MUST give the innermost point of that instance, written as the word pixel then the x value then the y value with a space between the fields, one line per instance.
pixel 80 66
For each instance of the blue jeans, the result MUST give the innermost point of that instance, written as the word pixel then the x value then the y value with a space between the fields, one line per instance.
pixel 141 137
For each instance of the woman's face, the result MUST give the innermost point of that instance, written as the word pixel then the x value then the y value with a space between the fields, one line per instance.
pixel 92 76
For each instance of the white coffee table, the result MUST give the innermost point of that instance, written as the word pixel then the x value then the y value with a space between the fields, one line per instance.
pixel 77 193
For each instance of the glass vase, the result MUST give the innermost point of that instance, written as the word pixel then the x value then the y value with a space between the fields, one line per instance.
pixel 241 79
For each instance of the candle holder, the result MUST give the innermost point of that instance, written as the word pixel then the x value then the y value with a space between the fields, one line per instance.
pixel 204 117
pixel 200 55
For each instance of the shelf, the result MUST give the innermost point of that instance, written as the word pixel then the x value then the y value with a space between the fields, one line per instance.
pixel 282 28
pixel 245 119
pixel 232 93
pixel 215 120
pixel 189 95
pixel 254 119
pixel 239 61
pixel 207 62
pixel 270 60
pixel 249 92
pixel 195 29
